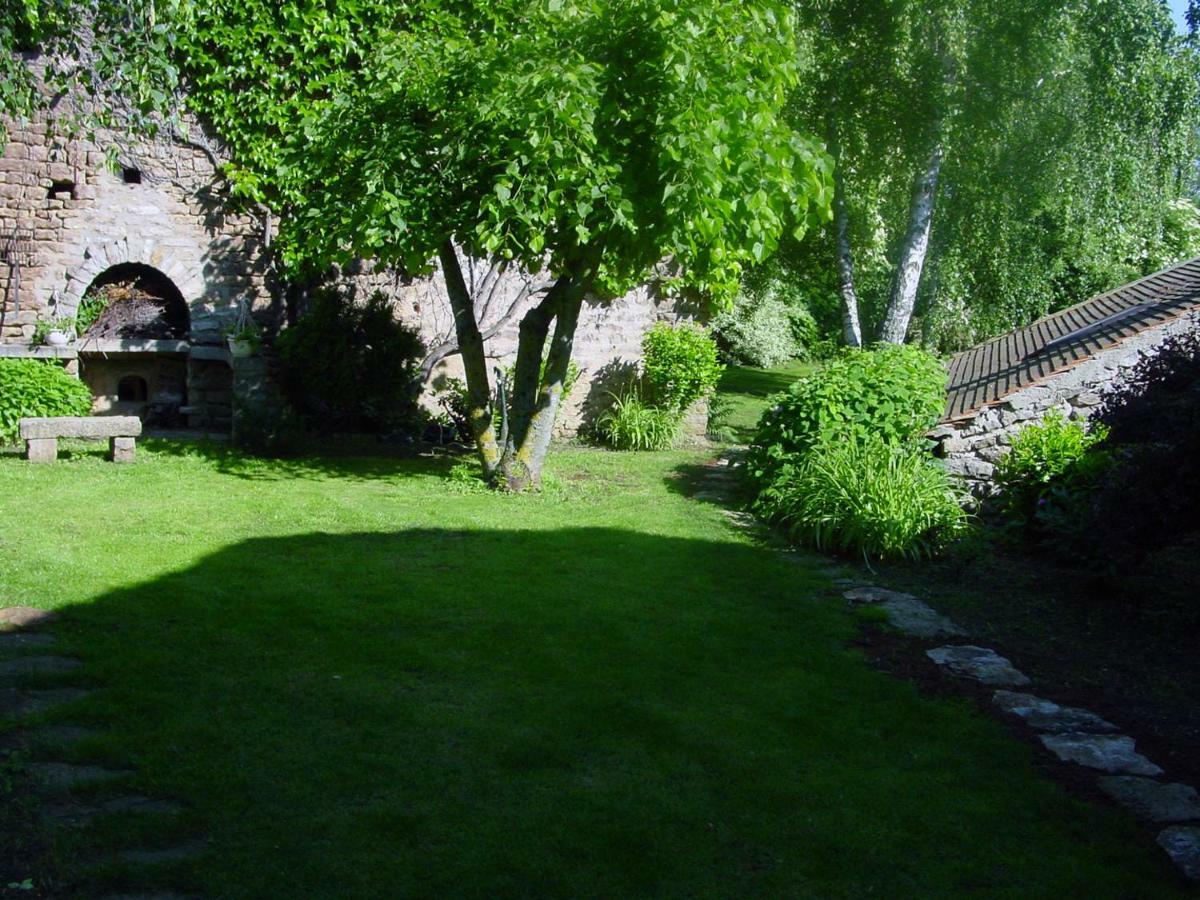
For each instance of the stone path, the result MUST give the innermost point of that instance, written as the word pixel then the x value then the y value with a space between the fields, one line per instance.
pixel 1076 736
pixel 73 795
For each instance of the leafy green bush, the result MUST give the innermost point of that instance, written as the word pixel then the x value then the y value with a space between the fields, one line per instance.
pixel 764 331
pixel 91 307
pixel 867 496
pixel 632 424
pixel 351 367
pixel 34 387
pixel 1044 459
pixel 895 393
pixel 680 365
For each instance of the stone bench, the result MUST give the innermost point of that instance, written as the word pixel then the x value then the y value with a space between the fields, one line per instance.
pixel 41 435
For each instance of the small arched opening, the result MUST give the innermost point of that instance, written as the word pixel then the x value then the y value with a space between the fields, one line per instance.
pixel 132 389
pixel 132 301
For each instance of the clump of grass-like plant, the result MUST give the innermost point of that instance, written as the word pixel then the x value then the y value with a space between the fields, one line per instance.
pixel 866 496
pixel 631 423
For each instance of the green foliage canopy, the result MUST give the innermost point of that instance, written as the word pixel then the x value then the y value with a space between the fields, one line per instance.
pixel 583 137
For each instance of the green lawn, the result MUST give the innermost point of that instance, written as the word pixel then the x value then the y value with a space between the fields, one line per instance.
pixel 746 389
pixel 366 679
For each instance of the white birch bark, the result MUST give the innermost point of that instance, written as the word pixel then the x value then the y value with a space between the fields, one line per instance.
pixel 903 298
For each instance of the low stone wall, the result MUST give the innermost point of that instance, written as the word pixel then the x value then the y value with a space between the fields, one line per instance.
pixel 972 446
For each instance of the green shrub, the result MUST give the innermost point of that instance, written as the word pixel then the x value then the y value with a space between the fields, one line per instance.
pixel 867 496
pixel 91 307
pixel 764 331
pixel 34 387
pixel 895 393
pixel 1048 458
pixel 351 367
pixel 632 424
pixel 680 365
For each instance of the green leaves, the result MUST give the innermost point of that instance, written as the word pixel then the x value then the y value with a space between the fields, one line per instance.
pixel 34 387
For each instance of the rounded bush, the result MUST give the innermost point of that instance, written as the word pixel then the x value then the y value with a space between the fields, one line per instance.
pixel 680 365
pixel 35 387
pixel 894 393
pixel 351 366
pixel 764 331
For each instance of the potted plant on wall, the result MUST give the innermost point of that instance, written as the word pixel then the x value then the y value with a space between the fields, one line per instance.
pixel 243 336
pixel 56 332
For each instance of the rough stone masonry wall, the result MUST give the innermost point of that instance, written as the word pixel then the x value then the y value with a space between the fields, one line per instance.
pixel 77 218
pixel 972 446
pixel 607 349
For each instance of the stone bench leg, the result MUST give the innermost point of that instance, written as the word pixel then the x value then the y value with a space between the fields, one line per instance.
pixel 120 449
pixel 41 449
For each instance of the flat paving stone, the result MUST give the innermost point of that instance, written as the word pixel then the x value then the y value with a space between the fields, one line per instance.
pixel 178 853
pixel 1045 715
pixel 1153 800
pixel 73 815
pixel 918 619
pixel 978 663
pixel 56 777
pixel 20 702
pixel 1182 843
pixel 865 593
pixel 48 736
pixel 38 665
pixel 25 640
pixel 711 496
pixel 1113 753
pixel 14 618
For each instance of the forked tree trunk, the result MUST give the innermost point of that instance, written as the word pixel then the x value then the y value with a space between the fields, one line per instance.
pixel 470 345
pixel 536 396
pixel 851 328
pixel 903 298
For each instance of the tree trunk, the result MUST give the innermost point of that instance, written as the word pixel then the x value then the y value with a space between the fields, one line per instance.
pixel 903 298
pixel 851 329
pixel 470 346
pixel 534 398
pixel 558 361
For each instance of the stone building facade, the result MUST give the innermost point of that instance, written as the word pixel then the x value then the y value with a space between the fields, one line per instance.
pixel 1067 362
pixel 77 213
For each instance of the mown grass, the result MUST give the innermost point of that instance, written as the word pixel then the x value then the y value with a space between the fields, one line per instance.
pixel 745 389
pixel 365 679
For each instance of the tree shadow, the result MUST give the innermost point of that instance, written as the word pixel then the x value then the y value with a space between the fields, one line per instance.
pixel 565 712
pixel 352 458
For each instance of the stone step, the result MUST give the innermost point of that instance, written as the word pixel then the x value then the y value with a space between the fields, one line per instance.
pixel 73 815
pixel 38 665
pixel 1045 715
pixel 18 641
pixel 1113 753
pixel 19 702
pixel 15 618
pixel 1153 800
pixel 54 777
pixel 165 855
pixel 1182 843
pixel 979 664
pixel 49 736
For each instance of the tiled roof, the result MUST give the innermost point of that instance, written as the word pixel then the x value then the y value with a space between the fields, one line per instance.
pixel 991 371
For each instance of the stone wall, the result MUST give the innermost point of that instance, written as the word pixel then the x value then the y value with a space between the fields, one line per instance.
pixel 67 216
pixel 972 446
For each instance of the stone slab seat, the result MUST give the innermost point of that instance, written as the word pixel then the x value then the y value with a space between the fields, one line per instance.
pixel 41 434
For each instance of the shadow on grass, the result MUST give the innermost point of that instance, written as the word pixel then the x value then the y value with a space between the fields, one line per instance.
pixel 760 382
pixel 355 460
pixel 569 712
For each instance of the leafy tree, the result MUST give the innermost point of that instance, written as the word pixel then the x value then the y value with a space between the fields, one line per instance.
pixel 116 55
pixel 655 133
pixel 995 159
